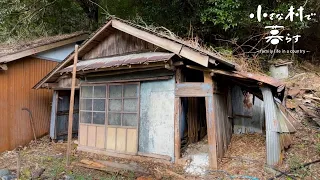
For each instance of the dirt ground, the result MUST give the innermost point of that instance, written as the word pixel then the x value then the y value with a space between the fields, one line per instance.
pixel 244 160
pixel 51 156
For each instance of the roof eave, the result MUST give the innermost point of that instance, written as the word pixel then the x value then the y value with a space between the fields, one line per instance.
pixel 35 50
pixel 70 57
pixel 180 49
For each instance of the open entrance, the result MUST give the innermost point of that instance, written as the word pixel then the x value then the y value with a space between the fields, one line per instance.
pixel 195 125
pixel 60 115
pixel 193 122
pixel 194 140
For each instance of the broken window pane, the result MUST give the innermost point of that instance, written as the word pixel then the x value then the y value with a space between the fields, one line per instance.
pixel 86 104
pixel 98 118
pixel 129 120
pixel 130 90
pixel 86 91
pixel 99 104
pixel 114 119
pixel 130 105
pixel 85 117
pixel 115 105
pixel 115 91
pixel 99 91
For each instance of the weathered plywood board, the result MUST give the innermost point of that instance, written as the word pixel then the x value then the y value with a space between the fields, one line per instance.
pixel 132 141
pixel 92 136
pixel 83 134
pixel 111 138
pixel 100 142
pixel 121 140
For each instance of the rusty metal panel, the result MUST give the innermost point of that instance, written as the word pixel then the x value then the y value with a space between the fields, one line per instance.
pixel 115 61
pixel 15 94
pixel 265 79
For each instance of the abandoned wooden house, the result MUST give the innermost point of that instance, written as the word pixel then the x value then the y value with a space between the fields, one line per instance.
pixel 21 66
pixel 142 93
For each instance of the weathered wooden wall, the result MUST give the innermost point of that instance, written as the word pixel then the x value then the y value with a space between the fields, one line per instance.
pixel 221 104
pixel 15 94
pixel 119 43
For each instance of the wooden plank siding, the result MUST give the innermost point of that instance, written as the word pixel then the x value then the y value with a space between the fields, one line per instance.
pixel 15 94
pixel 119 43
pixel 222 109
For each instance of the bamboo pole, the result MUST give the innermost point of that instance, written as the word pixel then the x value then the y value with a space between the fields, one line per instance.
pixel 73 83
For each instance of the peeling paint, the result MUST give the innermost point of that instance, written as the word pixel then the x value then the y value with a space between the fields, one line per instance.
pixel 156 128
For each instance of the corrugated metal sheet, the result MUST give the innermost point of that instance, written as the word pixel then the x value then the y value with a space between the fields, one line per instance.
pixel 248 112
pixel 129 59
pixel 272 128
pixel 265 79
pixel 15 94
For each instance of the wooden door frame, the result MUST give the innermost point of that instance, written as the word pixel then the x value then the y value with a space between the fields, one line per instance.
pixel 188 89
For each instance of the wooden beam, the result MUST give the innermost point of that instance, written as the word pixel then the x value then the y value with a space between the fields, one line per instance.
pixel 211 125
pixel 121 155
pixel 125 67
pixel 73 84
pixel 164 43
pixel 3 67
pixel 177 111
pixel 193 90
pixel 112 73
pixel 131 80
pixel 56 86
pixel 32 51
pixel 157 156
pixel 50 85
pixel 194 56
pixel 216 71
pixel 178 63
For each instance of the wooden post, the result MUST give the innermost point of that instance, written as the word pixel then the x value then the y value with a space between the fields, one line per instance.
pixel 211 127
pixel 177 111
pixel 73 83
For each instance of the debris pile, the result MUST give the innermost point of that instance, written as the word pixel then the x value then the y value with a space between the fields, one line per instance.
pixel 303 98
pixel 246 155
